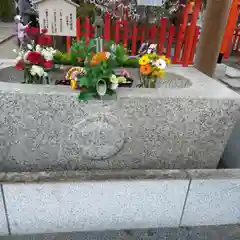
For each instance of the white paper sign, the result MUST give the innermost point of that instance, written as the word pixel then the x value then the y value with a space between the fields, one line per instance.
pixel 151 2
pixel 58 17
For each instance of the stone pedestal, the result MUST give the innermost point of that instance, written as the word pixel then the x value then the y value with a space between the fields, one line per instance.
pixel 46 128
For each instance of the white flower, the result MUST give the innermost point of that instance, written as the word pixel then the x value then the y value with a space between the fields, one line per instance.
pixel 14 50
pixel 38 48
pixel 160 63
pixel 114 86
pixel 36 70
pixel 18 58
pixel 48 55
pixel 29 46
pixel 25 56
pixel 108 54
pixel 45 74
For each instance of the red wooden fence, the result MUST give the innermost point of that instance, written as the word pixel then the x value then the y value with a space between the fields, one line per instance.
pixel 182 40
pixel 234 44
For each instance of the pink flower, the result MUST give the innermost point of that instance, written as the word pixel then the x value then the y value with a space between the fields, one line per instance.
pixel 125 73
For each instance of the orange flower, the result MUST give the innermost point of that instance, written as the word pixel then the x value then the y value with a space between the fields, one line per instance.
pixel 145 69
pixel 99 57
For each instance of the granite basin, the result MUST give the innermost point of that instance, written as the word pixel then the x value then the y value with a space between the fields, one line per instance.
pixel 171 80
pixel 45 127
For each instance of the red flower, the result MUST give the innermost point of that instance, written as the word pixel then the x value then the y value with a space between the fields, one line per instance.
pixel 44 31
pixel 35 58
pixel 20 65
pixel 32 30
pixel 48 64
pixel 44 40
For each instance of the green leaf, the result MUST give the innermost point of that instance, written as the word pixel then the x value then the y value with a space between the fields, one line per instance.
pixel 84 96
pixel 84 81
pixel 91 45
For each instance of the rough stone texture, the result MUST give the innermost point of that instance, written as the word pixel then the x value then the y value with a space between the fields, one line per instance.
pixel 3 221
pixel 213 198
pixel 102 205
pixel 91 175
pixel 46 128
pixel 229 232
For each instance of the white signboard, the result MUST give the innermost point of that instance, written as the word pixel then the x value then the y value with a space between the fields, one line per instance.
pixel 156 3
pixel 58 17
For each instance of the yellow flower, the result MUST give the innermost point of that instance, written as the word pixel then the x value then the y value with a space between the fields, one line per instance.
pixel 167 60
pixel 144 60
pixel 113 79
pixel 161 73
pixel 121 79
pixel 73 84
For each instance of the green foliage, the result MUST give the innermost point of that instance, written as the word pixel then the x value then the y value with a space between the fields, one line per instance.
pixel 62 58
pixel 7 10
pixel 131 63
pixel 94 73
pixel 78 52
pixel 121 55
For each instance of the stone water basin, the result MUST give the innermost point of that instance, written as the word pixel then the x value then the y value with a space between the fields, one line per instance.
pixel 171 80
pixel 181 125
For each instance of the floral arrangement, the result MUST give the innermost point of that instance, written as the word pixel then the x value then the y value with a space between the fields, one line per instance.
pixel 99 78
pixel 73 74
pixel 152 67
pixel 36 60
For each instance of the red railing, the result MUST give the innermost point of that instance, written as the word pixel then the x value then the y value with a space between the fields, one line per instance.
pixel 177 42
pixel 234 44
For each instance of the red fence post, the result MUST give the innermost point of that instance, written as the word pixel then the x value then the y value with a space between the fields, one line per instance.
pixel 194 45
pixel 107 27
pixel 125 33
pixel 178 46
pixel 170 40
pixel 117 31
pixel 134 39
pixel 142 38
pixel 186 43
pixel 162 35
pixel 192 31
pixel 185 15
pixel 78 30
pixel 228 50
pixel 68 41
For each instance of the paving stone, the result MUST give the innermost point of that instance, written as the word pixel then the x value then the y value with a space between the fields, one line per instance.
pixel 232 72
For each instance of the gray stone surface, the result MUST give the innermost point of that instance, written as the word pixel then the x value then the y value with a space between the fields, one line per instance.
pixel 225 232
pixel 98 206
pixel 230 157
pixel 91 175
pixel 7 30
pixel 233 72
pixel 3 221
pixel 212 199
pixel 231 82
pixel 46 128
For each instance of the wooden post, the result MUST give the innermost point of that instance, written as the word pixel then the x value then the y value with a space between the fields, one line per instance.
pixel 215 20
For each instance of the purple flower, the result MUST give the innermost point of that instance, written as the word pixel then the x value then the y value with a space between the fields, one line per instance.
pixel 125 73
